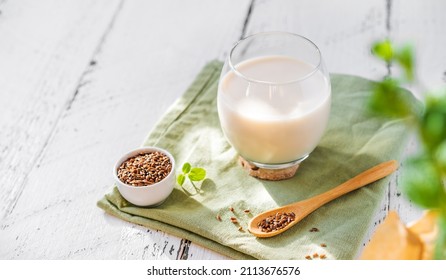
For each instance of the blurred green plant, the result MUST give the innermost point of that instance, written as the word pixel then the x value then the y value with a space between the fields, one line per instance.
pixel 424 174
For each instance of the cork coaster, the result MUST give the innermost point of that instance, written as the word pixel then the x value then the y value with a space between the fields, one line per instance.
pixel 268 174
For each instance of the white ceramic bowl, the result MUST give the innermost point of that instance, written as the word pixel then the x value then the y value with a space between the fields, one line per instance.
pixel 151 195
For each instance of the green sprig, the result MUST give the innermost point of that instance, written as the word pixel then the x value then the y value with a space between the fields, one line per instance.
pixel 193 174
pixel 424 174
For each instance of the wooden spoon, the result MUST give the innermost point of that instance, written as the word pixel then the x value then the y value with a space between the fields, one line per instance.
pixel 303 208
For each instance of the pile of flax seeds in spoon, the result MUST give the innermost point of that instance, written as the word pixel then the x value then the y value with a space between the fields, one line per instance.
pixel 276 222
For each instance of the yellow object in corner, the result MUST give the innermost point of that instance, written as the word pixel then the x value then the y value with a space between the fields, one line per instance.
pixel 393 241
pixel 427 230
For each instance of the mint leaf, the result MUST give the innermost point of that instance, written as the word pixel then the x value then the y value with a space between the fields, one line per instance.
pixel 383 50
pixel 405 57
pixel 440 248
pixel 433 123
pixel 440 156
pixel 197 174
pixel 389 100
pixel 422 183
pixel 180 179
pixel 194 174
pixel 186 168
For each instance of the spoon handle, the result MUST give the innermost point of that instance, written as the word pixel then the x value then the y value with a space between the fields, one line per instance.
pixel 370 175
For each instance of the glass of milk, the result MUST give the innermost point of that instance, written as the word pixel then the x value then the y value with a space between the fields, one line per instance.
pixel 274 99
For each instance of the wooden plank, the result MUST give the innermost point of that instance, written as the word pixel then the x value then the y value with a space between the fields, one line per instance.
pixel 59 137
pixel 394 200
pixel 422 23
pixel 150 57
pixel 45 48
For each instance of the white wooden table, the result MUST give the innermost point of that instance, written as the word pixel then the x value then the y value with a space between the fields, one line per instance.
pixel 82 82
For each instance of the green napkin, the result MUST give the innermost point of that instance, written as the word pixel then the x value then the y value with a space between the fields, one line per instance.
pixel 190 130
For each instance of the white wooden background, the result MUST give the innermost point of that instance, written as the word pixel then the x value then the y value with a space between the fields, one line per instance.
pixel 83 81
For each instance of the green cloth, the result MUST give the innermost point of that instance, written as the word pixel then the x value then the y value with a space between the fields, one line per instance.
pixel 190 130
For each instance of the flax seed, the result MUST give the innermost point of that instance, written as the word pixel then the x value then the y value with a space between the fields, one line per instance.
pixel 246 211
pixel 322 256
pixel 323 245
pixel 315 255
pixel 308 257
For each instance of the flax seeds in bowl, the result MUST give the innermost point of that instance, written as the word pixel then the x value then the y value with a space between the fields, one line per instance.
pixel 145 169
pixel 145 176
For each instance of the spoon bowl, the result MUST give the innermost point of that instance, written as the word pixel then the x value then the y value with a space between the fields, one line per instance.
pixel 278 220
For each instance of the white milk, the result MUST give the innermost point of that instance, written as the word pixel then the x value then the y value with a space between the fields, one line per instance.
pixel 275 122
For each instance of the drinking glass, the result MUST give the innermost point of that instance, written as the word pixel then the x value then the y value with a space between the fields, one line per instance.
pixel 274 98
